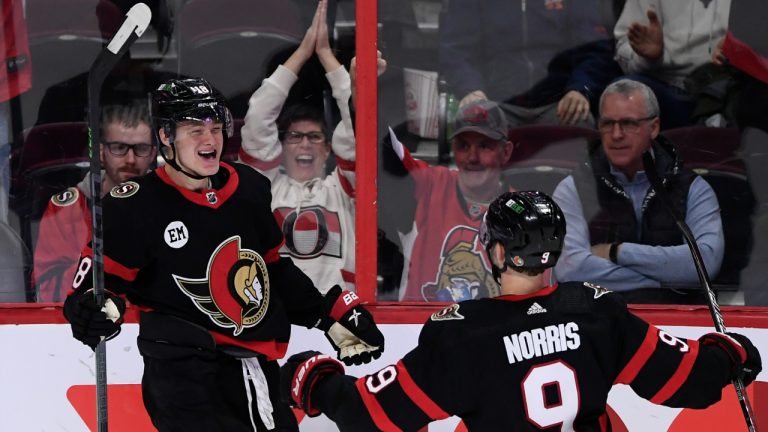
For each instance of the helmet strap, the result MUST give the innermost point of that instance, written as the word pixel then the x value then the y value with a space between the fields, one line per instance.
pixel 172 162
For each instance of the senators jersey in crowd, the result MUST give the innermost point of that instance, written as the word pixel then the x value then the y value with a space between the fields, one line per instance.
pixel 209 257
pixel 528 363
pixel 65 229
pixel 445 260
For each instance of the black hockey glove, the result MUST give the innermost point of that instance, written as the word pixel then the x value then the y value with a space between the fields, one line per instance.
pixel 90 323
pixel 299 375
pixel 745 358
pixel 350 328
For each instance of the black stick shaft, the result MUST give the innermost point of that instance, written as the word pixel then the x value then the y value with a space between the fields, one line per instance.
pixel 714 307
pixel 136 22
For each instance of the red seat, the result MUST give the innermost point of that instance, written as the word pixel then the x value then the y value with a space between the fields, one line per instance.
pixel 553 145
pixel 545 154
pixel 232 43
pixel 233 143
pixel 708 149
pixel 64 40
pixel 713 153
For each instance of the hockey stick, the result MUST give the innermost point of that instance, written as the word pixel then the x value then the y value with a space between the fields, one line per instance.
pixel 136 21
pixel 714 308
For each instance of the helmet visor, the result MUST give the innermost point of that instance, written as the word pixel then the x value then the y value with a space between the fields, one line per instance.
pixel 207 113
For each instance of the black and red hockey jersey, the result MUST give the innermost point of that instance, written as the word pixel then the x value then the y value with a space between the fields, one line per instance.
pixel 209 257
pixel 544 361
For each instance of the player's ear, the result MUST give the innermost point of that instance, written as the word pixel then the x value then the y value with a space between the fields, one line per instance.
pixel 164 138
pixel 497 255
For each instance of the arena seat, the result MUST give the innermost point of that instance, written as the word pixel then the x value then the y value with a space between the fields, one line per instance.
pixel 713 153
pixel 545 154
pixel 52 157
pixel 232 43
pixel 64 40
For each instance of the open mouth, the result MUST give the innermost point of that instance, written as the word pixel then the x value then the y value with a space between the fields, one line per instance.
pixel 207 154
pixel 305 160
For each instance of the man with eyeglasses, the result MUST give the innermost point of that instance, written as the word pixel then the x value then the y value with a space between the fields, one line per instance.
pixel 316 211
pixel 619 234
pixel 126 151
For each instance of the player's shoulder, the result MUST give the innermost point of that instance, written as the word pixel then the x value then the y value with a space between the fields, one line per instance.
pixel 132 192
pixel 249 176
pixel 587 297
pixel 455 318
pixel 67 197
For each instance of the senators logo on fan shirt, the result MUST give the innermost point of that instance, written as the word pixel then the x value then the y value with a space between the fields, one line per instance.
pixel 311 232
pixel 464 272
pixel 235 291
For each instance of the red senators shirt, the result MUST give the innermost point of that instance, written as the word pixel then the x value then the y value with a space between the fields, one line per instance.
pixel 16 72
pixel 65 229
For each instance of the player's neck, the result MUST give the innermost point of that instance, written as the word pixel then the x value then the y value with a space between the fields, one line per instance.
pixel 185 181
pixel 513 283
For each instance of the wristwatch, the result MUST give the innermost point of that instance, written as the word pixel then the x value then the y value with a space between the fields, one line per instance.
pixel 613 251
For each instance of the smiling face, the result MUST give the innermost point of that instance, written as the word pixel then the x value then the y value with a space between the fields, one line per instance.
pixel 305 160
pixel 625 149
pixel 198 147
pixel 479 159
pixel 121 168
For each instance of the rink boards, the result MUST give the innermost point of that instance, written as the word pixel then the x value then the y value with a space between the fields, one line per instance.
pixel 47 378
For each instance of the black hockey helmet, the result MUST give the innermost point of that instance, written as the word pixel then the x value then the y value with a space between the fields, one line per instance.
pixel 529 225
pixel 184 100
pixel 191 99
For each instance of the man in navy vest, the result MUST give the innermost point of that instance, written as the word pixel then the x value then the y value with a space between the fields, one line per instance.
pixel 619 234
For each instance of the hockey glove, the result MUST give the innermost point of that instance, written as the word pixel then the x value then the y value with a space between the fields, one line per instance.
pixel 299 375
pixel 350 328
pixel 745 358
pixel 90 322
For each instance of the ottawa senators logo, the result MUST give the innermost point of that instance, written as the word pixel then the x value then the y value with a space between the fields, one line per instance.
pixel 235 291
pixel 125 190
pixel 66 198
pixel 463 273
pixel 449 313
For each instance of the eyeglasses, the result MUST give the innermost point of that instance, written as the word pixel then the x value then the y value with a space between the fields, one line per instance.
pixel 118 148
pixel 295 137
pixel 626 125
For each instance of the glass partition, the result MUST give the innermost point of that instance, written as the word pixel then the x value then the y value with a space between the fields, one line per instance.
pixel 542 65
pixel 545 65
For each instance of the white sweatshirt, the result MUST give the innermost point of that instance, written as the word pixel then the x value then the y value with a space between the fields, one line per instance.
pixel 318 215
pixel 691 33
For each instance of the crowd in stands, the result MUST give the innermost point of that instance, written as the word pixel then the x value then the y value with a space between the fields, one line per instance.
pixel 626 71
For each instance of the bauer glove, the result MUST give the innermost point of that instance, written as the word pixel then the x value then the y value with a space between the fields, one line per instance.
pixel 745 358
pixel 350 328
pixel 299 375
pixel 91 322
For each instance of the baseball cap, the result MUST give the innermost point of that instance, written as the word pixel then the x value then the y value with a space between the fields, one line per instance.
pixel 484 117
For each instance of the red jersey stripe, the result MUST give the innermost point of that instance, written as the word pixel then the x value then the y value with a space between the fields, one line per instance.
pixel 377 413
pixel 641 356
pixel 344 164
pixel 274 253
pixel 424 402
pixel 115 268
pixel 346 185
pixel 258 163
pixel 681 374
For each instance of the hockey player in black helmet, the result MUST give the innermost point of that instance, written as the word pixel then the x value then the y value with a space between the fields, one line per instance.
pixel 185 101
pixel 194 246
pixel 537 357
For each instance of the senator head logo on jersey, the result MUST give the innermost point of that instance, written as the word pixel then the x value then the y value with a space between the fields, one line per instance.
pixel 235 290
